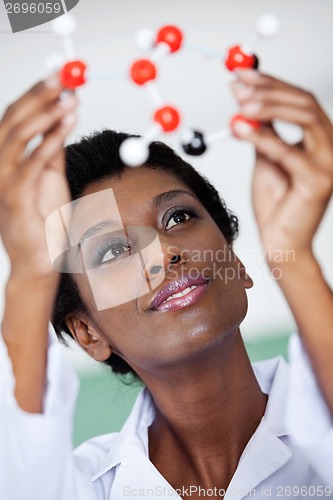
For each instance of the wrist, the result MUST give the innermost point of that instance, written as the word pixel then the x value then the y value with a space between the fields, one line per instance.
pixel 27 301
pixel 23 278
pixel 40 289
pixel 300 265
pixel 289 258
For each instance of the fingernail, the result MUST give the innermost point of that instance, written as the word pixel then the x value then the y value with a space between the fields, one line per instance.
pixel 67 100
pixel 243 91
pixel 251 109
pixel 52 82
pixel 242 129
pixel 69 120
pixel 66 94
pixel 252 73
pixel 238 84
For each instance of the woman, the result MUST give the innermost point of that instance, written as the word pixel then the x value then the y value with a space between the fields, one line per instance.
pixel 207 425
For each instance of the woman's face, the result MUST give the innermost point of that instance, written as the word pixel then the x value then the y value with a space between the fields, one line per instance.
pixel 155 330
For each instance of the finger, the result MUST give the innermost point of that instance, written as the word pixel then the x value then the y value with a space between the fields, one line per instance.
pixel 266 98
pixel 58 162
pixel 261 80
pixel 267 111
pixel 14 147
pixel 21 187
pixel 50 154
pixel 252 84
pixel 287 172
pixel 286 95
pixel 270 184
pixel 318 135
pixel 290 158
pixel 39 96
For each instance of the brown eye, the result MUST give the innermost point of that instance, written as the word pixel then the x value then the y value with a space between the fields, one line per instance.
pixel 177 218
pixel 115 250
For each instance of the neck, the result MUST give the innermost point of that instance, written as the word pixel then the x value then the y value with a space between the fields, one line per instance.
pixel 205 415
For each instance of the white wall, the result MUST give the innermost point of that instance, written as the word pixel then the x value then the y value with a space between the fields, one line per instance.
pixel 198 85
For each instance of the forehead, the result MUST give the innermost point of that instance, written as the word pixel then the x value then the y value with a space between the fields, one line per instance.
pixel 121 201
pixel 138 186
pixel 113 205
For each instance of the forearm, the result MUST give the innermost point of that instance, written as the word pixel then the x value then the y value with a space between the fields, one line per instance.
pixel 311 302
pixel 28 309
pixel 29 438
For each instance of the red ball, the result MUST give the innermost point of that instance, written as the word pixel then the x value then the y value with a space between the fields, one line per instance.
pixel 72 74
pixel 168 117
pixel 142 71
pixel 240 119
pixel 238 59
pixel 172 36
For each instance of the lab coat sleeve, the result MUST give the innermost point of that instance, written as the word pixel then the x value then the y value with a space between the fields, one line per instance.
pixel 308 418
pixel 36 458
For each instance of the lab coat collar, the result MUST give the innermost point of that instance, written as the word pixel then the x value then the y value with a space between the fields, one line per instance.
pixel 273 378
pixel 130 438
pixel 264 454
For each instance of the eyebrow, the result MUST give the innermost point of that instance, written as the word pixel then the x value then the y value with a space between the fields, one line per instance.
pixel 169 196
pixel 104 224
pixel 156 202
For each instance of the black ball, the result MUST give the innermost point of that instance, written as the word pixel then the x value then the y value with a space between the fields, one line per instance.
pixel 196 146
pixel 255 62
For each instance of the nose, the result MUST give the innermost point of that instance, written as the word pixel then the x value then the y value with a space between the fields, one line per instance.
pixel 175 259
pixel 172 255
pixel 157 269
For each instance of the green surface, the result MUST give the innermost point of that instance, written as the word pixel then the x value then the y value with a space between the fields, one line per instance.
pixel 268 348
pixel 103 405
pixel 105 401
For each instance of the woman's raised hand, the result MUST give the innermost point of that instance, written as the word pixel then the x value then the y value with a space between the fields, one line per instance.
pixel 33 183
pixel 292 184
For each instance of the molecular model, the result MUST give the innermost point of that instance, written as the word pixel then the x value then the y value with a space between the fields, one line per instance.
pixel 143 72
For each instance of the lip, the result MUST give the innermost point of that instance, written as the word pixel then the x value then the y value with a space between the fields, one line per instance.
pixel 159 301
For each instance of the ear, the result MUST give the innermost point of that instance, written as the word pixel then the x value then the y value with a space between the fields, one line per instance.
pixel 247 280
pixel 91 340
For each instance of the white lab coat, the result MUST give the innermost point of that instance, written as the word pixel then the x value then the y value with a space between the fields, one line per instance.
pixel 289 455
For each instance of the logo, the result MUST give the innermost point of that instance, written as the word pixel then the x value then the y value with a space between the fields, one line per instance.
pixel 121 263
pixel 24 15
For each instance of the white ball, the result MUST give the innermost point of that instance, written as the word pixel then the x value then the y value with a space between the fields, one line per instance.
pixel 187 136
pixel 54 62
pixel 268 26
pixel 145 39
pixel 64 25
pixel 134 152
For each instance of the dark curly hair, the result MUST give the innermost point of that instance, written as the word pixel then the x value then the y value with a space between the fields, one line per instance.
pixel 95 159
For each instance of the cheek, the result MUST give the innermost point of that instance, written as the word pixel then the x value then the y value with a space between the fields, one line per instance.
pixel 120 324
pixel 211 249
pixel 228 277
pixel 125 279
pixel 234 293
pixel 118 284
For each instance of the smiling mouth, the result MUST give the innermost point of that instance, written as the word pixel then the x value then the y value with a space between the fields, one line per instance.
pixel 180 294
